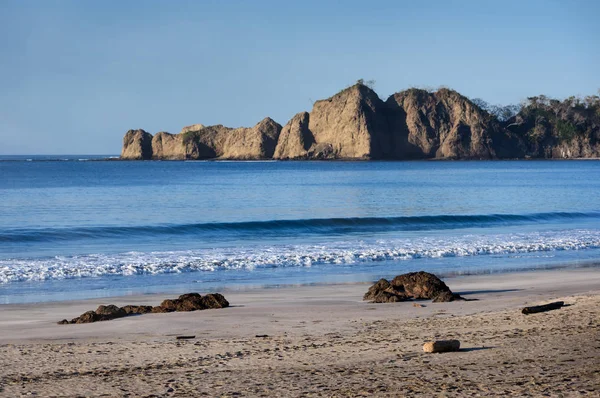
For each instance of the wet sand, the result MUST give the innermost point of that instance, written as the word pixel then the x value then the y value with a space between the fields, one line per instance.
pixel 320 341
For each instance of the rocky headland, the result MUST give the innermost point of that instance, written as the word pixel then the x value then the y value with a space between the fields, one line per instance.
pixel 413 124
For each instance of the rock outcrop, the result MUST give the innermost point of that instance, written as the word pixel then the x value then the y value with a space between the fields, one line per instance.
pixel 384 292
pixel 444 125
pixel 350 125
pixel 413 124
pixel 295 139
pixel 414 285
pixel 558 129
pixel 137 145
pixel 192 302
pixel 193 127
pixel 185 302
pixel 210 142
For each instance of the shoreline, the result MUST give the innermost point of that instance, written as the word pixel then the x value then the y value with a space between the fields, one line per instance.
pixel 242 287
pixel 31 321
pixel 317 341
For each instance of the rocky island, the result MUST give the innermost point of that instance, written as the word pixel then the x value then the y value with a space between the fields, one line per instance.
pixel 413 124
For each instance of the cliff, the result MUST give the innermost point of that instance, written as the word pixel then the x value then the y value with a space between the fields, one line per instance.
pixel 137 145
pixel 445 125
pixel 413 124
pixel 350 125
pixel 558 129
pixel 206 142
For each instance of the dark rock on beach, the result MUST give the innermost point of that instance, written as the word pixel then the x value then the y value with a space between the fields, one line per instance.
pixel 185 302
pixel 420 285
pixel 214 301
pixel 193 302
pixel 414 285
pixel 137 309
pixel 110 311
pixel 384 292
pixel 102 313
pixel 446 297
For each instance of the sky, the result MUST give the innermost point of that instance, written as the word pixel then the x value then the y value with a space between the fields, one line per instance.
pixel 76 75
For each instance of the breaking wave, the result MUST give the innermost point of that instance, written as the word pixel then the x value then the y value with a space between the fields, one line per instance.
pixel 330 254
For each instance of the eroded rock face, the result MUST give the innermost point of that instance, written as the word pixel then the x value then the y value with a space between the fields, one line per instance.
pixel 208 142
pixel 185 302
pixel 413 124
pixel 414 285
pixel 295 139
pixel 168 147
pixel 353 123
pixel 193 127
pixel 137 145
pixel 259 142
pixel 442 124
pixel 349 125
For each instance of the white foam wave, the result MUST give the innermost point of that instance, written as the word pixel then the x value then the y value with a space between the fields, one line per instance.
pixel 137 263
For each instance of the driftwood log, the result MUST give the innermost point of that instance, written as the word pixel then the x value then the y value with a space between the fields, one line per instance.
pixel 185 337
pixel 441 346
pixel 543 308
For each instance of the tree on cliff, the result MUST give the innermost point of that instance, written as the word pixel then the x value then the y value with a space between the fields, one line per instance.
pixel 502 113
pixel 368 83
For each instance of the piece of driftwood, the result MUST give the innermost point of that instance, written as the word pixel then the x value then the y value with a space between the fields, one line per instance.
pixel 442 346
pixel 185 337
pixel 543 308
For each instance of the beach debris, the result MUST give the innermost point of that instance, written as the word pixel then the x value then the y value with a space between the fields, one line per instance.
pixel 414 285
pixel 543 308
pixel 185 302
pixel 418 305
pixel 262 336
pixel 441 346
pixel 185 337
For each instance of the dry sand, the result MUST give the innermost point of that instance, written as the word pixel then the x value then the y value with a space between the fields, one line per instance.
pixel 322 341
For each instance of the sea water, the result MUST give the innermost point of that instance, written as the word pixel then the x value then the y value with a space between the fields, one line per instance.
pixel 73 227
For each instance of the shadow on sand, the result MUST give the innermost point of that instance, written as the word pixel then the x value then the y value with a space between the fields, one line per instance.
pixel 487 291
pixel 475 349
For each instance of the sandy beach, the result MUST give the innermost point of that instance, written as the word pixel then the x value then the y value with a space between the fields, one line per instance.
pixel 318 341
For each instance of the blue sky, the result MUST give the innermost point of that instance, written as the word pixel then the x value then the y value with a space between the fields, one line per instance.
pixel 76 75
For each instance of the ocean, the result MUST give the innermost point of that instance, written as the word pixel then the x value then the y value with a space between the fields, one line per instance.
pixel 73 227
